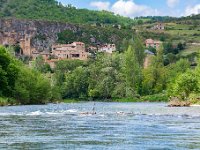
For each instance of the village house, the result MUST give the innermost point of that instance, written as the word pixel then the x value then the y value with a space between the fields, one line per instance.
pixel 158 26
pixel 153 43
pixel 108 48
pixel 75 50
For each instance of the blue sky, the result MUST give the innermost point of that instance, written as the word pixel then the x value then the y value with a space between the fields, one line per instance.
pixel 133 8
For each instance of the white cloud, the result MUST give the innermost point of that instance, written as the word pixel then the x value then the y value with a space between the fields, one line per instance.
pixel 126 8
pixel 192 10
pixel 172 3
pixel 100 5
pixel 130 9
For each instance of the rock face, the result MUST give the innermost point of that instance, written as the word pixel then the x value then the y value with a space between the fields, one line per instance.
pixel 43 34
pixel 175 102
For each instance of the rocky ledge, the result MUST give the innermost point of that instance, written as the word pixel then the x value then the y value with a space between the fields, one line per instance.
pixel 175 102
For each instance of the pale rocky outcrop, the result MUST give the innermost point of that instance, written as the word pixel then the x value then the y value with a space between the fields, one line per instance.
pixel 43 33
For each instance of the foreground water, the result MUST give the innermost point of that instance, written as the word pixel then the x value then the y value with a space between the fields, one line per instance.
pixel 117 126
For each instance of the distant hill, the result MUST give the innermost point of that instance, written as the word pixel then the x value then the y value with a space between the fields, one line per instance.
pixel 192 17
pixel 52 10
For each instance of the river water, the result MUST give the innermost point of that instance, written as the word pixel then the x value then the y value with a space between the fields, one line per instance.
pixel 115 126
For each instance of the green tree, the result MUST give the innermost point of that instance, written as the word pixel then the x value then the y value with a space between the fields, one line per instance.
pixel 155 77
pixel 32 87
pixel 139 50
pixel 186 84
pixel 66 37
pixel 41 66
pixel 76 84
pixel 8 72
pixel 132 72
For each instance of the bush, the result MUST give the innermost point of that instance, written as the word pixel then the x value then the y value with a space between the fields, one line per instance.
pixel 194 98
pixel 156 98
pixel 7 101
pixel 32 87
pixel 186 84
pixel 3 101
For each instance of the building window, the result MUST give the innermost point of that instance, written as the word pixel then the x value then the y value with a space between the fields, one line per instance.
pixel 75 55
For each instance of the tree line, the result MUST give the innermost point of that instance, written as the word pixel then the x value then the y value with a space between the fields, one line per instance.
pixel 119 75
pixel 106 76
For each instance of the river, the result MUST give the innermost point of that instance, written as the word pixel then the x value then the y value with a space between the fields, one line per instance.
pixel 115 126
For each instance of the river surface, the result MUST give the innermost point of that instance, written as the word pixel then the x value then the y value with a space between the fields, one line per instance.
pixel 115 126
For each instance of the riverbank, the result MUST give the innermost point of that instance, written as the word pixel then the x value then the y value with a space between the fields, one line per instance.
pixel 8 101
pixel 149 98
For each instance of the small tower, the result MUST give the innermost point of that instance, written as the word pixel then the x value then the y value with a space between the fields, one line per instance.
pixel 25 45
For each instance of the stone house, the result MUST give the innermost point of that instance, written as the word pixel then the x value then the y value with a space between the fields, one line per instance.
pixel 75 50
pixel 158 26
pixel 153 43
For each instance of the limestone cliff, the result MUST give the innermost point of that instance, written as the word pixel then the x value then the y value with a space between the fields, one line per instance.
pixel 42 33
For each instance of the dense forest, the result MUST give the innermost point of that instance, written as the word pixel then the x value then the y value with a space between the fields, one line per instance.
pixel 54 11
pixel 51 10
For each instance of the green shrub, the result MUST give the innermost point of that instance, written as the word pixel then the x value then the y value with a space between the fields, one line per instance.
pixel 133 99
pixel 155 98
pixel 3 101
pixel 194 98
pixel 7 101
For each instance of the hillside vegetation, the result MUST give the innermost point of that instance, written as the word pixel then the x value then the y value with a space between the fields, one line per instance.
pixel 53 11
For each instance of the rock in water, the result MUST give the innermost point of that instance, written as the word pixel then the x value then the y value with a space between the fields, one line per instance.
pixel 175 102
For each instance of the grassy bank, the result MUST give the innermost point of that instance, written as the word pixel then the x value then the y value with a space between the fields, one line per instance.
pixel 149 98
pixel 71 100
pixel 7 101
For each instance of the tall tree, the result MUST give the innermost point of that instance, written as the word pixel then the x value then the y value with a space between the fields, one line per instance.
pixel 155 76
pixel 139 50
pixel 132 72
